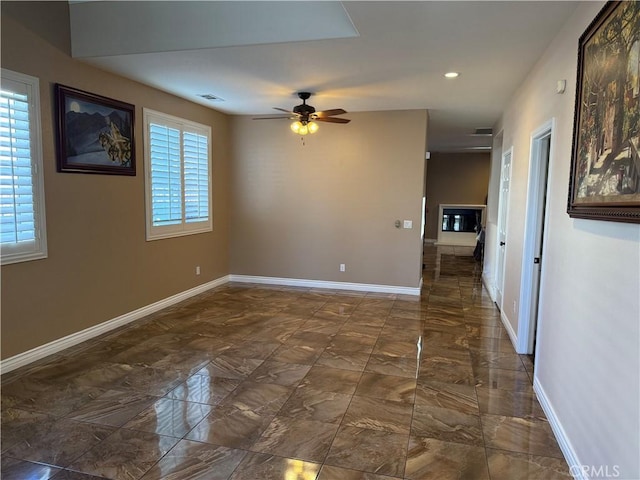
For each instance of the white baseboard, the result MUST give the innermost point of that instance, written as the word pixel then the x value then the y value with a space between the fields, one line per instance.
pixel 490 288
pixel 510 331
pixel 56 346
pixel 296 282
pixel 561 436
pixel 63 343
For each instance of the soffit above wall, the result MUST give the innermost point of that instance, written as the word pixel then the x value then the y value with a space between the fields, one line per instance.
pixel 123 28
pixel 357 55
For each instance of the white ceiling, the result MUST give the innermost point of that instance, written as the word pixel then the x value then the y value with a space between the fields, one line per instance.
pixel 257 55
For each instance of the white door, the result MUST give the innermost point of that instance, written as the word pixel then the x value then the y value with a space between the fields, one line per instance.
pixel 545 147
pixel 534 234
pixel 503 203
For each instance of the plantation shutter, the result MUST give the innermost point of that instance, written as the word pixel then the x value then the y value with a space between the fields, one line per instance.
pixel 196 177
pixel 16 185
pixel 178 176
pixel 166 175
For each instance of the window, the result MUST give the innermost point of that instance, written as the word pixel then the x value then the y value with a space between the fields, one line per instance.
pixel 22 217
pixel 178 176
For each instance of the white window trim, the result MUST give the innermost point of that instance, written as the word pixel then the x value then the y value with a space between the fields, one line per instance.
pixel 36 249
pixel 183 229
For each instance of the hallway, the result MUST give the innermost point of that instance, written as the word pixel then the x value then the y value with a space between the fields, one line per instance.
pixel 261 382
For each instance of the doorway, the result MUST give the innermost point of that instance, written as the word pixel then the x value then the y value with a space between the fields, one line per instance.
pixel 534 238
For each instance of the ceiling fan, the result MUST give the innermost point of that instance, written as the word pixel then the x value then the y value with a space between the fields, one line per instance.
pixel 305 116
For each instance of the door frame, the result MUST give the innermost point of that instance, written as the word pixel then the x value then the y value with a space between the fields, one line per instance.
pixel 502 203
pixel 537 184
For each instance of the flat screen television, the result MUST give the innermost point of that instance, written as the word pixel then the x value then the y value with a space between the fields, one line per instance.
pixel 460 224
pixel 461 219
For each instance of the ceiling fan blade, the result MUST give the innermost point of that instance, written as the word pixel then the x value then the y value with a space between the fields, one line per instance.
pixel 330 113
pixel 273 117
pixel 332 120
pixel 285 111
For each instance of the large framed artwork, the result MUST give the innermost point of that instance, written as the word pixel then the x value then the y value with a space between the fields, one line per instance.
pixel 605 164
pixel 95 133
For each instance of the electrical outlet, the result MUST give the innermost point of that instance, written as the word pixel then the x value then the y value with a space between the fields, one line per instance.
pixel 514 306
pixel 343 267
pixel 198 270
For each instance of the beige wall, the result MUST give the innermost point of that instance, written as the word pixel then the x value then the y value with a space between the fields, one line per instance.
pixel 99 264
pixel 455 178
pixel 299 211
pixel 588 341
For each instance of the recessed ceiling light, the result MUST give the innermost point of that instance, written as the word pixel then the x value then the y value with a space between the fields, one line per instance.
pixel 451 74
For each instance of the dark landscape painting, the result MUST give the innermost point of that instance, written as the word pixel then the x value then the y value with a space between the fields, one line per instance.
pixel 95 134
pixel 606 164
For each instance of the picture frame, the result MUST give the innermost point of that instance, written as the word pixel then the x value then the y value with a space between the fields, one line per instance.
pixel 604 181
pixel 95 133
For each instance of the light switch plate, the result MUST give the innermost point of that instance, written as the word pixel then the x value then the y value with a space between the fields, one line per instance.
pixel 408 224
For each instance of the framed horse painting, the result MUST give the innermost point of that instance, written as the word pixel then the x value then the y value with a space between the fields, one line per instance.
pixel 95 133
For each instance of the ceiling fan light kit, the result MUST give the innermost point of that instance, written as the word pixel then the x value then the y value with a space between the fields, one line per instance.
pixel 304 128
pixel 305 116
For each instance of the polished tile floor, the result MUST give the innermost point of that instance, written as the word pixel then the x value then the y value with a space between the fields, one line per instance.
pixel 256 383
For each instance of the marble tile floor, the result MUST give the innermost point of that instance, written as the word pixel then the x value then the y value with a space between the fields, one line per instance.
pixel 251 382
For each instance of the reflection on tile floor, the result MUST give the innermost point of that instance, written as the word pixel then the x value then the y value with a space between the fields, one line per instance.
pixel 258 382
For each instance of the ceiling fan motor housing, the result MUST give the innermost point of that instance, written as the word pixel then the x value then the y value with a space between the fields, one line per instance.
pixel 303 109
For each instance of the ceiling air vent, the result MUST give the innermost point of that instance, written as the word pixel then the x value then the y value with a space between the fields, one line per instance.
pixel 484 131
pixel 211 97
